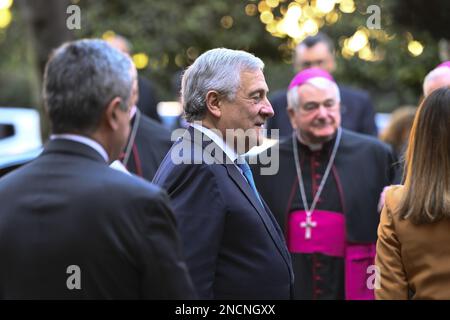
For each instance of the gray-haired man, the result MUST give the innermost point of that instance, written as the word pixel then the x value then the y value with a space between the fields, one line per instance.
pixel 233 245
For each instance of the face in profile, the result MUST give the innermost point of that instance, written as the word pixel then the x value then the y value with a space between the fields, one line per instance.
pixel 123 120
pixel 248 112
pixel 317 117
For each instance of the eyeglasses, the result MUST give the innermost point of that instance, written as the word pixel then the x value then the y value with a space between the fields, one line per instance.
pixel 313 106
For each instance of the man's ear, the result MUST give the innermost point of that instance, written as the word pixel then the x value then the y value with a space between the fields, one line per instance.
pixel 111 113
pixel 292 114
pixel 332 64
pixel 213 103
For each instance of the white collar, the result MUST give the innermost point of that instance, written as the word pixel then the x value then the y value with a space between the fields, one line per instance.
pixel 217 140
pixel 133 111
pixel 84 140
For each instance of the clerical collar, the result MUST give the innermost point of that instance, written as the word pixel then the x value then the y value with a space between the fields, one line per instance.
pixel 319 147
pixel 217 140
pixel 132 112
pixel 315 147
pixel 84 140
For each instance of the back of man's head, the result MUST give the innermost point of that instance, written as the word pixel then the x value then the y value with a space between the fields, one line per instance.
pixel 80 79
pixel 315 51
pixel 218 70
pixel 435 79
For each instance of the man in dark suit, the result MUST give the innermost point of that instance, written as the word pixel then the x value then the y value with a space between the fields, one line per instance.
pixel 357 110
pixel 233 246
pixel 70 226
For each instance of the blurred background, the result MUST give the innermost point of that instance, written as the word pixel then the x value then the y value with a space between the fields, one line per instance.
pixel 383 46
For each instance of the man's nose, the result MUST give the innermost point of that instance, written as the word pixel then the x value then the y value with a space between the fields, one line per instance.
pixel 322 111
pixel 267 109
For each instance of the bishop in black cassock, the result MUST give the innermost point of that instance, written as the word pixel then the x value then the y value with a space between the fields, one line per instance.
pixel 334 247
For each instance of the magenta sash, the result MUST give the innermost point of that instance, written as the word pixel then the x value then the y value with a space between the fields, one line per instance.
pixel 329 237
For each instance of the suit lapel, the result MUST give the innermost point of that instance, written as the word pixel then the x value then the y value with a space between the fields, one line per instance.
pixel 264 213
pixel 245 188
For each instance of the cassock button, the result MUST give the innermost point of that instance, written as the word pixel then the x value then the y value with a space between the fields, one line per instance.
pixel 317 176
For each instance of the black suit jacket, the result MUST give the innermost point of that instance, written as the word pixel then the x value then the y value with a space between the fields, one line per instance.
pixel 67 208
pixel 148 102
pixel 356 109
pixel 234 247
pixel 150 146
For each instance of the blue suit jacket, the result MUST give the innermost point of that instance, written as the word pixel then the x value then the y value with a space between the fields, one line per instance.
pixel 356 109
pixel 233 246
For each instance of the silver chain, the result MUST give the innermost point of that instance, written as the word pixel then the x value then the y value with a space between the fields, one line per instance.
pixel 325 175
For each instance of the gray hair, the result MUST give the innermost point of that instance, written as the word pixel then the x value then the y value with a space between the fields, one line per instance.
pixel 216 69
pixel 293 97
pixel 439 72
pixel 80 79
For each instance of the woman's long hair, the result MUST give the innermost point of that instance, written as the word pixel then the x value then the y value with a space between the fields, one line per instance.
pixel 427 166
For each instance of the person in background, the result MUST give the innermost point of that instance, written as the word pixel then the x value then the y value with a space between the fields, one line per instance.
pixel 357 111
pixel 147 96
pixel 397 131
pixel 325 195
pixel 70 226
pixel 437 78
pixel 412 256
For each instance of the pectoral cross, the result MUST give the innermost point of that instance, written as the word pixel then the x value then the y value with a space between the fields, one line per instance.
pixel 308 224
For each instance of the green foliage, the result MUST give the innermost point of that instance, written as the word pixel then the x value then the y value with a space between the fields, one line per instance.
pixel 173 33
pixel 17 76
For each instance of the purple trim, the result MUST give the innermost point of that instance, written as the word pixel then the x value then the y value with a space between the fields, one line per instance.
pixel 328 237
pixel 358 258
pixel 303 76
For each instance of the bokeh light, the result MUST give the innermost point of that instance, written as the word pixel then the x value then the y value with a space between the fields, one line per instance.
pixel 347 6
pixel 415 48
pixel 140 60
pixel 5 18
pixel 226 22
pixel 325 6
pixel 5 4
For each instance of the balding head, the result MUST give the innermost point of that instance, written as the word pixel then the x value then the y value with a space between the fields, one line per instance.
pixel 436 78
pixel 120 43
